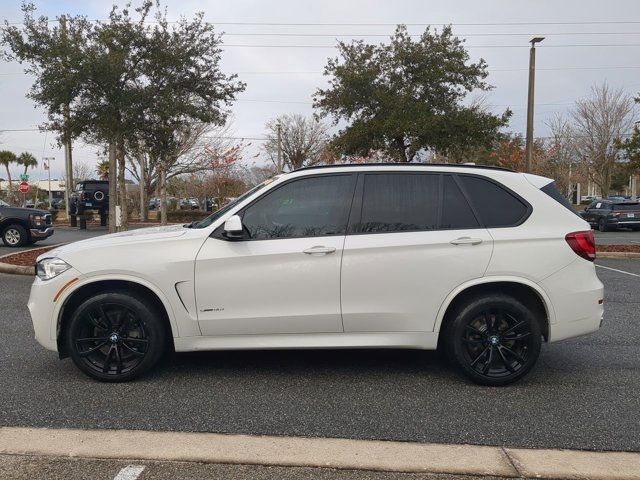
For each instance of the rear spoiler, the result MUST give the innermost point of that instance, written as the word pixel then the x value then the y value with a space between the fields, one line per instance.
pixel 537 181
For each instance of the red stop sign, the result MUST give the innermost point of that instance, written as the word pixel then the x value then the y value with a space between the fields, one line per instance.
pixel 24 187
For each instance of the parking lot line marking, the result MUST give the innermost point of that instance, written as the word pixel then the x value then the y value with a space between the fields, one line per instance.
pixel 130 472
pixel 619 271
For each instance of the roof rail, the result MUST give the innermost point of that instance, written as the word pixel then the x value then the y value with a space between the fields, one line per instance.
pixel 392 165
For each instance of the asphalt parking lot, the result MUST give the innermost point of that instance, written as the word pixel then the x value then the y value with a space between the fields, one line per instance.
pixel 583 394
pixel 61 235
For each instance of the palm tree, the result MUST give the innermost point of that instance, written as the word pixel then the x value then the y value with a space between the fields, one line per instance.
pixel 103 169
pixel 6 159
pixel 27 161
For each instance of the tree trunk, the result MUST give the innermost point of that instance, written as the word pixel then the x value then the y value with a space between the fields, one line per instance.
pixel 113 192
pixel 162 180
pixel 122 186
pixel 143 189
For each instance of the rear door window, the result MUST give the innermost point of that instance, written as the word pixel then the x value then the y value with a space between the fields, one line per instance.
pixel 496 206
pixel 399 202
pixel 456 212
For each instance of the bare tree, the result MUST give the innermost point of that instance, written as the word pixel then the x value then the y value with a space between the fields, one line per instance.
pixel 302 140
pixel 562 157
pixel 195 147
pixel 600 122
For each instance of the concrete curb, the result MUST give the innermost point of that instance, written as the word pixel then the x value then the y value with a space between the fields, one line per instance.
pixel 21 269
pixel 320 453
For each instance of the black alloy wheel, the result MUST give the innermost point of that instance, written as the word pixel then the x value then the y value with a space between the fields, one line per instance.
pixel 495 340
pixel 115 337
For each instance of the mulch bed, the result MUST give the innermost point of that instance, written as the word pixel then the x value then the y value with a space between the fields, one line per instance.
pixel 619 248
pixel 26 258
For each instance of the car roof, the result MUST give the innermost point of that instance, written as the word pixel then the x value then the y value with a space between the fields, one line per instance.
pixel 404 165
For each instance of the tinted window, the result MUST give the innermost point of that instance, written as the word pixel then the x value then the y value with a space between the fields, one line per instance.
pixel 552 190
pixel 399 202
pixel 627 206
pixel 456 212
pixel 309 207
pixel 495 205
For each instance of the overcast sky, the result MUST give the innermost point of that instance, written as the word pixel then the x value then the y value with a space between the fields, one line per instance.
pixel 279 48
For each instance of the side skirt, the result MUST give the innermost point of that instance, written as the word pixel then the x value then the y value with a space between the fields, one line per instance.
pixel 408 340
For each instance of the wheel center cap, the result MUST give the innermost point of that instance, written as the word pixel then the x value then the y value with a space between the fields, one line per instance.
pixel 114 338
pixel 494 340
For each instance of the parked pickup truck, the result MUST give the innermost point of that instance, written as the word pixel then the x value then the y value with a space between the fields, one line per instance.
pixel 23 226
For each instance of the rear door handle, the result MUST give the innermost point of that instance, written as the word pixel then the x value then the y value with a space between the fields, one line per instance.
pixel 319 250
pixel 466 241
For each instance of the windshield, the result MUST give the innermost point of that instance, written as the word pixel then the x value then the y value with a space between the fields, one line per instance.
pixel 216 215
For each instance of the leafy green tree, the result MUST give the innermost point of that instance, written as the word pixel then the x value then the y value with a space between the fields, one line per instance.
pixel 55 57
pixel 27 161
pixel 185 89
pixel 406 97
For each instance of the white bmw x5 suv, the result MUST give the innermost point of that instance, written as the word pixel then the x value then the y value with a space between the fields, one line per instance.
pixel 483 262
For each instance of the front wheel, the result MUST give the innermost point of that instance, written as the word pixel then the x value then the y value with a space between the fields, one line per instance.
pixel 115 337
pixel 15 236
pixel 493 340
pixel 602 225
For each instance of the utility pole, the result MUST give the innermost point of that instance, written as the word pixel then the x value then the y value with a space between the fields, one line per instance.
pixel 66 137
pixel 280 165
pixel 532 79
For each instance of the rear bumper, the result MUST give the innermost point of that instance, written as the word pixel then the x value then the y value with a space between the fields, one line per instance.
pixel 577 297
pixel 37 234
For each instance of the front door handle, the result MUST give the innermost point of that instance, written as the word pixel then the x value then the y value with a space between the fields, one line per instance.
pixel 319 250
pixel 466 241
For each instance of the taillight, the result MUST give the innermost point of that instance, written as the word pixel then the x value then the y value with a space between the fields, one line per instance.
pixel 583 243
pixel 83 196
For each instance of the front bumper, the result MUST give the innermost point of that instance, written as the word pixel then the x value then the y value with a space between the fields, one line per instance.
pixel 44 311
pixel 37 234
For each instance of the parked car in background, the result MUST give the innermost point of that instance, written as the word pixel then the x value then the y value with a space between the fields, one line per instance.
pixel 189 204
pixel 154 204
pixel 484 262
pixel 606 215
pixel 90 195
pixel 58 204
pixel 23 226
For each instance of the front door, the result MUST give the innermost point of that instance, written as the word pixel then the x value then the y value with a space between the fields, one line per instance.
pixel 284 276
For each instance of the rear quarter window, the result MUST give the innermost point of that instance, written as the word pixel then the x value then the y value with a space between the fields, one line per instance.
pixel 496 205
pixel 552 190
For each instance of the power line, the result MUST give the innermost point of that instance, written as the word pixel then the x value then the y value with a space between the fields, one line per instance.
pixel 589 45
pixel 355 24
pixel 387 35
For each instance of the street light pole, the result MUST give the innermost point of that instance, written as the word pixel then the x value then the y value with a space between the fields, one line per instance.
pixel 48 160
pixel 532 78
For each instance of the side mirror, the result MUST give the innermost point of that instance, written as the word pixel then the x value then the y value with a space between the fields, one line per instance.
pixel 233 228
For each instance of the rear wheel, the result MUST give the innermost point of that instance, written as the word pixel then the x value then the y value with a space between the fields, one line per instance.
pixel 493 340
pixel 602 225
pixel 115 337
pixel 15 236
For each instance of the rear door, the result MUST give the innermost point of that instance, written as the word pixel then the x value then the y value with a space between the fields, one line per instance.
pixel 412 239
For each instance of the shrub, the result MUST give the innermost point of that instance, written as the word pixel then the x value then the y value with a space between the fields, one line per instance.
pixel 186 216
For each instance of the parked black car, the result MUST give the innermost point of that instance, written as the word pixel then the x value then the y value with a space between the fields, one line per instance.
pixel 90 195
pixel 23 226
pixel 608 215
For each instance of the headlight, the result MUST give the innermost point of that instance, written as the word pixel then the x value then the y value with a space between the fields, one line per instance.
pixel 49 268
pixel 37 220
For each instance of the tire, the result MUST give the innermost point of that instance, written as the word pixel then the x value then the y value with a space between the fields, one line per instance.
pixel 494 340
pixel 15 236
pixel 602 225
pixel 116 337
